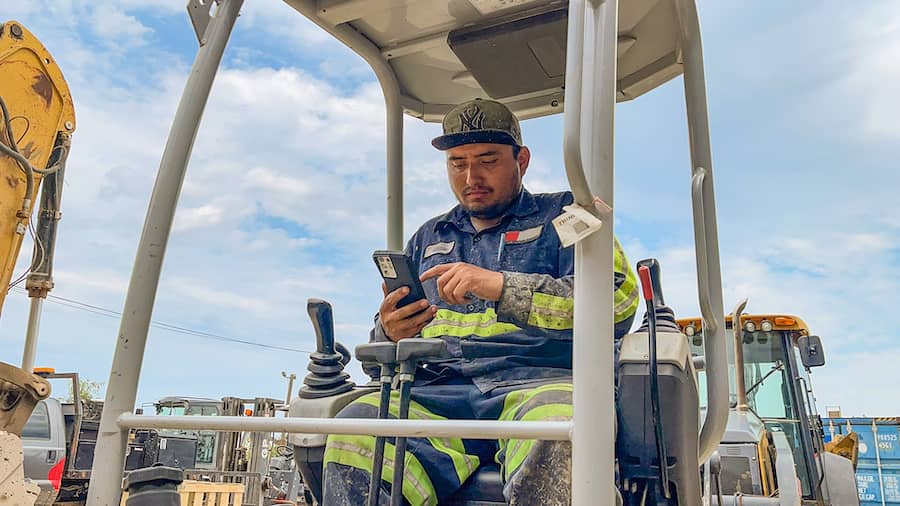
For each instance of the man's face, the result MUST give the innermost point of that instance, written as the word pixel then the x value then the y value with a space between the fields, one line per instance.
pixel 486 178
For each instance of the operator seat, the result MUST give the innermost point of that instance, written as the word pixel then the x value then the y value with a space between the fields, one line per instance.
pixel 327 389
pixel 483 488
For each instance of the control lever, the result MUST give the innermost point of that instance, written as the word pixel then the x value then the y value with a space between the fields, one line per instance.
pixel 652 295
pixel 326 365
pixel 655 280
pixel 385 354
pixel 343 352
pixel 414 350
pixel 322 317
pixel 410 352
pixel 665 317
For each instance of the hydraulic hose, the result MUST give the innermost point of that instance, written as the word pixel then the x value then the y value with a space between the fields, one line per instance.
pixel 12 150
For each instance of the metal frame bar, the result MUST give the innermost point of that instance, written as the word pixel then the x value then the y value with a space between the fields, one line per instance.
pixel 877 460
pixel 737 330
pixel 471 429
pixel 390 87
pixel 797 391
pixel 79 418
pixel 706 237
pixel 32 331
pixel 591 87
pixel 109 460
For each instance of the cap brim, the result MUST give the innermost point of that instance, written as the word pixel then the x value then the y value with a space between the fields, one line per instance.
pixel 448 141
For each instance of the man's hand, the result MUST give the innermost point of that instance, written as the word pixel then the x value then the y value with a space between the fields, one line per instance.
pixel 400 323
pixel 455 281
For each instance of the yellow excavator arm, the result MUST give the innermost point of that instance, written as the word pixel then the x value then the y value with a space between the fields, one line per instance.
pixel 36 122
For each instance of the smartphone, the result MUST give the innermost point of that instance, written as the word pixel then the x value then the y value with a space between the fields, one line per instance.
pixel 396 268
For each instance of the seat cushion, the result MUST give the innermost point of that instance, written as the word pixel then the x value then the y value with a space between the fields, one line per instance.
pixel 484 488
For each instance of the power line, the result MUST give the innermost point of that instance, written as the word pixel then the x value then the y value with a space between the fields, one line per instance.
pixel 178 329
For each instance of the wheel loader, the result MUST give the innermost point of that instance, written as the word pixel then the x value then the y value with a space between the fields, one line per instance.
pixel 773 445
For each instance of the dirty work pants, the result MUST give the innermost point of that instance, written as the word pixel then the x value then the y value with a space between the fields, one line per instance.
pixel 533 472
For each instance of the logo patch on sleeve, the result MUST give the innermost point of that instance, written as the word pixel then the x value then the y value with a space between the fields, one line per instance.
pixel 520 236
pixel 439 248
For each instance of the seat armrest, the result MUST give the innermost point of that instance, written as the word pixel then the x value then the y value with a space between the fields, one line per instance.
pixel 324 407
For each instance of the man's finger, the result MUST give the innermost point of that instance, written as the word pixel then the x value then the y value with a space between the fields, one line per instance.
pixel 384 288
pixel 391 299
pixel 450 288
pixel 426 316
pixel 443 280
pixel 460 293
pixel 410 309
pixel 412 325
pixel 436 271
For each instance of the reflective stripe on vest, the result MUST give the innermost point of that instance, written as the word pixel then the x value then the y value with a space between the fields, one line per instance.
pixel 626 298
pixel 452 323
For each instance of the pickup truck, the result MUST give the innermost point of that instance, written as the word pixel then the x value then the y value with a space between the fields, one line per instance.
pixel 59 439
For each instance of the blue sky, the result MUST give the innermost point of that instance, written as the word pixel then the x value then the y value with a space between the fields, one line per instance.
pixel 284 196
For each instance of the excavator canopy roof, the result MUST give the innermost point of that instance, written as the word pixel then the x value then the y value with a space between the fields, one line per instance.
pixel 444 52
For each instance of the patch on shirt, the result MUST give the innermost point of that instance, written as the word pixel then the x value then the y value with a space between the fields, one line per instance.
pixel 439 248
pixel 520 236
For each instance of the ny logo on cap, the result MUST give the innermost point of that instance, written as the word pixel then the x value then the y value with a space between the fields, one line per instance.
pixel 472 118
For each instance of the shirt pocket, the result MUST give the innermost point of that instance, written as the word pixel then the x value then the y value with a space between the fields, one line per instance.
pixel 537 256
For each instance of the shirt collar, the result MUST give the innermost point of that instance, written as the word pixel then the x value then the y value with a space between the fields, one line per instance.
pixel 459 217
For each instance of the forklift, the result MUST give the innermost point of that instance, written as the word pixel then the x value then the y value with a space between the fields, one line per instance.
pixel 539 57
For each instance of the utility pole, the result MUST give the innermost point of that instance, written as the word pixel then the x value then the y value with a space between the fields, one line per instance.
pixel 290 378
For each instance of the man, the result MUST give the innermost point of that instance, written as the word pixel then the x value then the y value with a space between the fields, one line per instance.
pixel 499 289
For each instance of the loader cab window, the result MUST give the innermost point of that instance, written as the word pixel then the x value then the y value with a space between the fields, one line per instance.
pixel 170 411
pixel 771 392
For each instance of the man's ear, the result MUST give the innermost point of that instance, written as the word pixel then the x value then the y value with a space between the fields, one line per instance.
pixel 523 160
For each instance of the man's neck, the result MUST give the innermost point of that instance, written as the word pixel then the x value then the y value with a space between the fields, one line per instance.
pixel 481 224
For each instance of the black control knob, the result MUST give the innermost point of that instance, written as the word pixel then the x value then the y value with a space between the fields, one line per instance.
pixel 326 366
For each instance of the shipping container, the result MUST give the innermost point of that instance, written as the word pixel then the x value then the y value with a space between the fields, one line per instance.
pixel 878 470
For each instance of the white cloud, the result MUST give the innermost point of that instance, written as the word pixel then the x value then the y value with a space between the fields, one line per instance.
pixel 860 382
pixel 112 22
pixel 199 290
pixel 267 180
pixel 103 280
pixel 196 217
pixel 855 100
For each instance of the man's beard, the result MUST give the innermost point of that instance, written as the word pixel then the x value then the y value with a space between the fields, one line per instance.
pixel 493 211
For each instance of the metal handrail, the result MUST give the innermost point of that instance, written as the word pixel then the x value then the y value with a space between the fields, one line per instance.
pixel 109 460
pixel 390 87
pixel 470 429
pixel 589 124
pixel 737 330
pixel 572 141
pixel 706 240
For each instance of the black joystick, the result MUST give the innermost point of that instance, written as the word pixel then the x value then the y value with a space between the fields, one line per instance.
pixel 326 366
pixel 653 265
pixel 665 317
